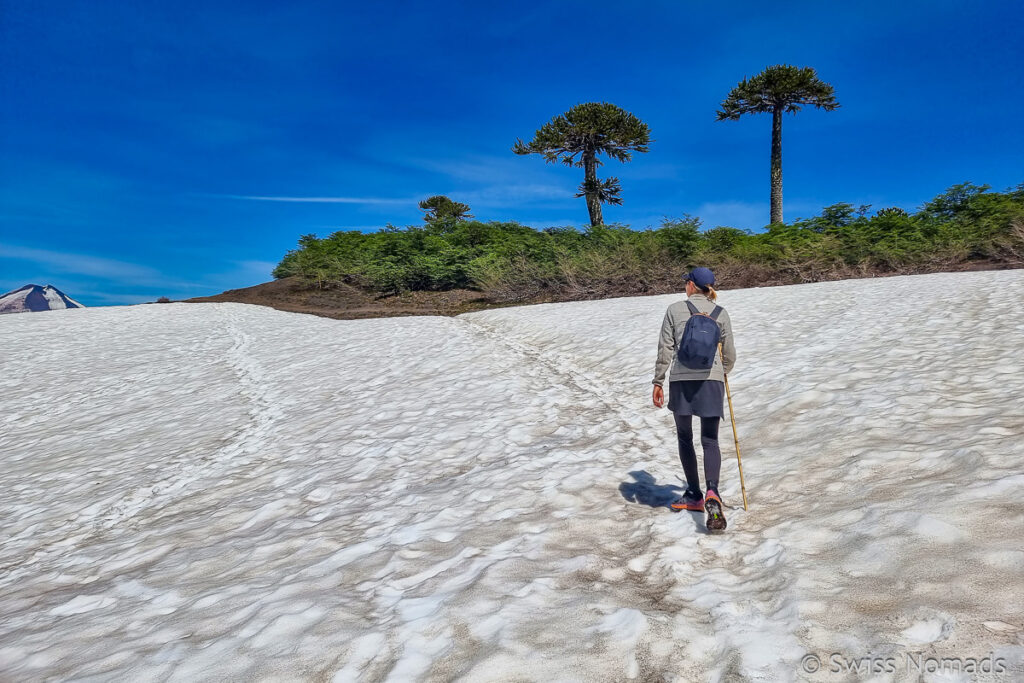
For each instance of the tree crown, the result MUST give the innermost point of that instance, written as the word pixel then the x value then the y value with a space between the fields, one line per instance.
pixel 591 127
pixel 440 207
pixel 782 87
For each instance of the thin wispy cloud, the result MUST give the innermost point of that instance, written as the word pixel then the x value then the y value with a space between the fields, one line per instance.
pixel 245 271
pixel 492 196
pixel 257 267
pixel 98 281
pixel 489 168
pixel 80 264
pixel 475 167
pixel 498 196
pixel 234 275
pixel 117 273
pixel 321 200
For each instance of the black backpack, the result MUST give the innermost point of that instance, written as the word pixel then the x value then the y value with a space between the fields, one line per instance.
pixel 699 345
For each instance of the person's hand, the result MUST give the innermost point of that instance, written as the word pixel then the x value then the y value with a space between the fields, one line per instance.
pixel 659 396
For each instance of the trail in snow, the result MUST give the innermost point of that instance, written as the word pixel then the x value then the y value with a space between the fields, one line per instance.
pixel 667 572
pixel 221 490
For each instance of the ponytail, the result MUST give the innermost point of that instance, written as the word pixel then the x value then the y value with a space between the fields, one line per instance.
pixel 710 293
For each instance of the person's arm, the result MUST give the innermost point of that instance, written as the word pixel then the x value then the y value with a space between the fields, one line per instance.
pixel 728 344
pixel 666 345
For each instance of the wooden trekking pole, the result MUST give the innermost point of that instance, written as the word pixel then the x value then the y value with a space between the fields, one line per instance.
pixel 735 437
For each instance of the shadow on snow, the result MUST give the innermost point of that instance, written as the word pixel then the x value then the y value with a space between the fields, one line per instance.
pixel 645 490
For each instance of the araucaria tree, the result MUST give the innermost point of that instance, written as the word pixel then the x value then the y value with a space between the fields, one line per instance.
pixel 440 207
pixel 778 89
pixel 576 138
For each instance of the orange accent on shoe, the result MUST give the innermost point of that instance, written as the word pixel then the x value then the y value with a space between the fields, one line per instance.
pixel 716 519
pixel 697 505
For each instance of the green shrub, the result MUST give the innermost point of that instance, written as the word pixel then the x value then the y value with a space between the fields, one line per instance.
pixel 512 261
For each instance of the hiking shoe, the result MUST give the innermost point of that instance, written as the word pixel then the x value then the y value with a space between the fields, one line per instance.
pixel 713 506
pixel 690 501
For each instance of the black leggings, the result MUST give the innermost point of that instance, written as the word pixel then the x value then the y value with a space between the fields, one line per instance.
pixel 709 443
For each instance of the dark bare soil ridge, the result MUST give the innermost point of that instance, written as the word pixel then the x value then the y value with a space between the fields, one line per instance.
pixel 348 302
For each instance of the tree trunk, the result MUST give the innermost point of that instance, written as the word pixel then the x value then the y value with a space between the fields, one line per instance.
pixel 593 203
pixel 776 211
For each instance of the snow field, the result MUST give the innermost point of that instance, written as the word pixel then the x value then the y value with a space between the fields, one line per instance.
pixel 226 491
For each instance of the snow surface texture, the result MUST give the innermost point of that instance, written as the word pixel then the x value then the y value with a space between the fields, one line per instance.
pixel 222 491
pixel 34 298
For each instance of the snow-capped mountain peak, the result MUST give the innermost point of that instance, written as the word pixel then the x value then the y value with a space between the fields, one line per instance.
pixel 32 298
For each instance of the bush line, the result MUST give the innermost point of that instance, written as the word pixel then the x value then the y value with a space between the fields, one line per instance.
pixel 510 262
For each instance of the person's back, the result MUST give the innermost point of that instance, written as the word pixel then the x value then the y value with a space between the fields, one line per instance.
pixel 673 325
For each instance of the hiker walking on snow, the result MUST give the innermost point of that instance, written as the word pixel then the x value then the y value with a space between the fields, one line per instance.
pixel 697 387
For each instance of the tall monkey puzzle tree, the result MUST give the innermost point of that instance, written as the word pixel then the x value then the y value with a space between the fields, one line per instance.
pixel 576 138
pixel 777 89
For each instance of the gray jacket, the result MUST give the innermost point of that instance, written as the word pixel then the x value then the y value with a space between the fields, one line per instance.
pixel 672 333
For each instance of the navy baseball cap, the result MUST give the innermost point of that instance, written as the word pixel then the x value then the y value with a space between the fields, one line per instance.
pixel 702 277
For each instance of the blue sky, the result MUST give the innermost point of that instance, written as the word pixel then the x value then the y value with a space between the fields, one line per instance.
pixel 141 141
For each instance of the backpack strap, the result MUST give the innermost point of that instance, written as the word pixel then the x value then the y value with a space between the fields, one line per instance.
pixel 713 314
